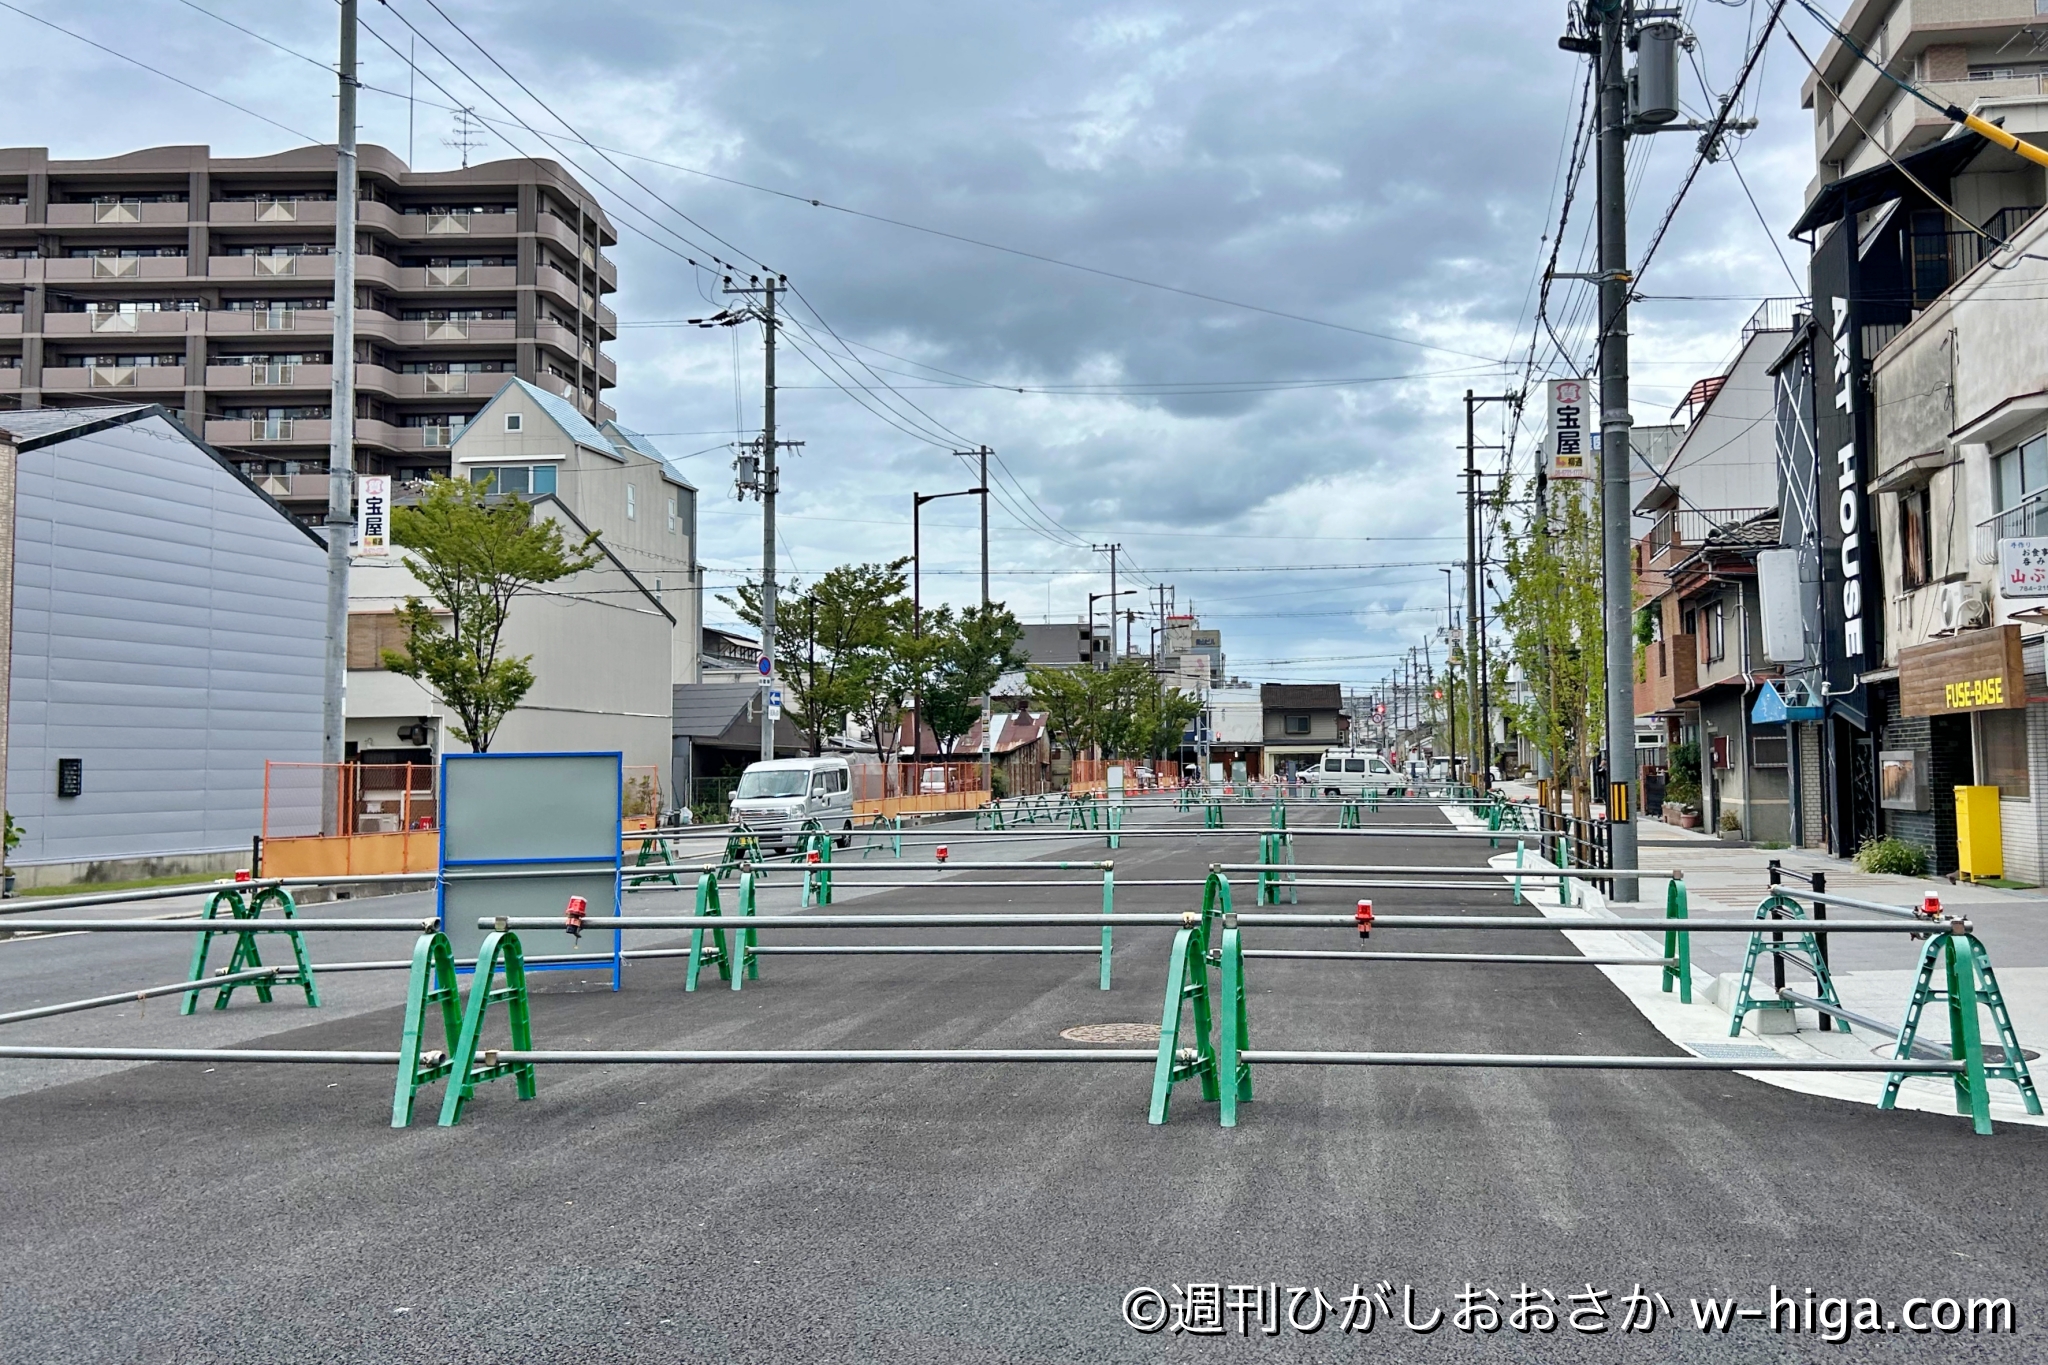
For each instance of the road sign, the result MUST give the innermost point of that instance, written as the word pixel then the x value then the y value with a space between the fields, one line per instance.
pixel 774 703
pixel 764 665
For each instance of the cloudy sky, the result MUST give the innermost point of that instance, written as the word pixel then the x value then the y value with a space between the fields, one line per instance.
pixel 1211 278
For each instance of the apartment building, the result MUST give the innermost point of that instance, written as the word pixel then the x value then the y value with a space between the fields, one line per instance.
pixel 205 284
pixel 1985 56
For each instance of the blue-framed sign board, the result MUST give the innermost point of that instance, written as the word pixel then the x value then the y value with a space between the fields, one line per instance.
pixel 520 835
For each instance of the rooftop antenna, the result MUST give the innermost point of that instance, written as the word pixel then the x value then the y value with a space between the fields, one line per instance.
pixel 469 134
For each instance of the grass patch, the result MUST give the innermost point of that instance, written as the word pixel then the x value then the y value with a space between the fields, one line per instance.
pixel 2005 884
pixel 1894 856
pixel 94 888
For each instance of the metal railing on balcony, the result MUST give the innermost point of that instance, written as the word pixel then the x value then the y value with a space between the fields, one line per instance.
pixel 272 374
pixel 117 210
pixel 442 223
pixel 1684 528
pixel 277 210
pixel 113 322
pixel 2028 518
pixel 448 276
pixel 116 267
pixel 274 319
pixel 111 377
pixel 437 438
pixel 270 428
pixel 1775 315
pixel 275 265
pixel 1938 259
pixel 446 383
pixel 447 329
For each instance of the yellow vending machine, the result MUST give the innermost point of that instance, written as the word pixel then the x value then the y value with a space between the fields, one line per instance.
pixel 1980 849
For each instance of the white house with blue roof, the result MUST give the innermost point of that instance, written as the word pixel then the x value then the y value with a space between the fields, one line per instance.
pixel 607 644
pixel 528 441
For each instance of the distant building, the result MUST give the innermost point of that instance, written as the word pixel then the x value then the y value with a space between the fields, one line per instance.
pixel 1064 644
pixel 166 636
pixel 715 732
pixel 1237 730
pixel 1301 720
pixel 724 657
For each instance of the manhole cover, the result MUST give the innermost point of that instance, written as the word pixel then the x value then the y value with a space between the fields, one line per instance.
pixel 1112 1033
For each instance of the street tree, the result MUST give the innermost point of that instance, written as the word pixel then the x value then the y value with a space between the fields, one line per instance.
pixel 1553 614
pixel 841 648
pixel 474 554
pixel 961 658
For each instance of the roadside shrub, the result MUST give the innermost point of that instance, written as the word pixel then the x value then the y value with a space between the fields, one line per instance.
pixel 1895 856
pixel 1683 783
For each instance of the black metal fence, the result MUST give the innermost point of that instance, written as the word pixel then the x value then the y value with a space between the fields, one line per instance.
pixel 1585 843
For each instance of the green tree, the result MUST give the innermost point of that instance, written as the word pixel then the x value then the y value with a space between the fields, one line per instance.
pixel 1554 617
pixel 961 659
pixel 474 554
pixel 1066 697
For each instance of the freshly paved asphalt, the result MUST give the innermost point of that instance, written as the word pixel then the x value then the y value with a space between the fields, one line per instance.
pixel 1000 1213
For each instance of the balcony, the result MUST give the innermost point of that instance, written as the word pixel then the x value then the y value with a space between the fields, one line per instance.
pixel 10 324
pixel 10 379
pixel 318 321
pixel 459 330
pixel 242 431
pixel 1681 531
pixel 607 370
pixel 306 379
pixel 272 267
pixel 294 487
pixel 104 324
pixel 13 215
pixel 116 212
pixel 82 268
pixel 88 378
pixel 1939 260
pixel 442 226
pixel 2028 518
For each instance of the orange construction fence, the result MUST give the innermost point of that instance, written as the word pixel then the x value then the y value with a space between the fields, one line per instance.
pixel 389 816
pixel 913 788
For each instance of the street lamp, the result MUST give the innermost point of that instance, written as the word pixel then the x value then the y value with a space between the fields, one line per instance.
pixel 917 502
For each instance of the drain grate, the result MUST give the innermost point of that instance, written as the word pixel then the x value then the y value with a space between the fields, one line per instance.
pixel 1112 1033
pixel 1733 1052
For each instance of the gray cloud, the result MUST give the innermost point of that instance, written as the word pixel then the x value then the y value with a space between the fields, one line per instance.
pixel 1385 166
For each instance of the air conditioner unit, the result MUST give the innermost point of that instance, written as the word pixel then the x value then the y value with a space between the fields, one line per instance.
pixel 1962 606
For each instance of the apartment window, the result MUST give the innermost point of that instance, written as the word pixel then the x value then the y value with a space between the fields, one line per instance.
pixel 1716 623
pixel 671 516
pixel 631 512
pixel 1916 546
pixel 1296 725
pixel 2020 473
pixel 515 421
pixel 2002 751
pixel 522 479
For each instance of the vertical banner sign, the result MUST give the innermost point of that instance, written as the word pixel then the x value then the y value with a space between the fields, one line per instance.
pixel 1566 446
pixel 373 514
pixel 1848 563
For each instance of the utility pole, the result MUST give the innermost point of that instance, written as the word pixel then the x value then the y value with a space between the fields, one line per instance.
pixel 1113 595
pixel 341 433
pixel 1450 709
pixel 1478 724
pixel 1615 445
pixel 767 482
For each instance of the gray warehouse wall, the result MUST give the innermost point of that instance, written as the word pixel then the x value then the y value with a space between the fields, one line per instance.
pixel 168 627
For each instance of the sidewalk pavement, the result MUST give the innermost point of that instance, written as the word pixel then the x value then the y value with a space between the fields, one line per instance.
pixel 1873 973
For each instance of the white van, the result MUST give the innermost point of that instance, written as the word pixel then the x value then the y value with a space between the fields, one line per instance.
pixel 774 799
pixel 1354 773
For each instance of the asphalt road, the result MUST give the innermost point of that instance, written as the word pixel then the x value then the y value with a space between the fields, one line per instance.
pixel 1001 1213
